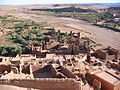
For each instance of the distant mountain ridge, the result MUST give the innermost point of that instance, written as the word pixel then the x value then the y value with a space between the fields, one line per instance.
pixel 65 9
pixel 102 5
pixel 94 5
pixel 80 5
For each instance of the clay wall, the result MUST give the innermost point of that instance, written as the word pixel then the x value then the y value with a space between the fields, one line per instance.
pixel 45 84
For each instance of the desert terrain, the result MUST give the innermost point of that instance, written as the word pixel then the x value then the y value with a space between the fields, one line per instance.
pixel 103 36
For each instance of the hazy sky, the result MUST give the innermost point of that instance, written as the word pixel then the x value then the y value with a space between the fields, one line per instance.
pixel 54 1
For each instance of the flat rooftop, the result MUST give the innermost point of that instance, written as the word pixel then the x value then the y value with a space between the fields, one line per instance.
pixel 107 77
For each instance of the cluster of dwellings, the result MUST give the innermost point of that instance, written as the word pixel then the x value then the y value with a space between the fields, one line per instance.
pixel 115 11
pixel 72 45
pixel 72 59
pixel 111 10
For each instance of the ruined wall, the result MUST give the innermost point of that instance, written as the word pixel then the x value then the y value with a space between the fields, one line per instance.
pixel 45 84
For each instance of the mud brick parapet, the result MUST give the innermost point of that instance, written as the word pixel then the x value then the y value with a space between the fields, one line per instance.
pixel 44 84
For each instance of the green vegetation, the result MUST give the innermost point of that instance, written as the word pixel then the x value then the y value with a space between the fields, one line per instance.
pixel 89 17
pixel 1 17
pixel 105 16
pixel 22 34
pixel 94 17
pixel 10 50
pixel 25 34
pixel 18 39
